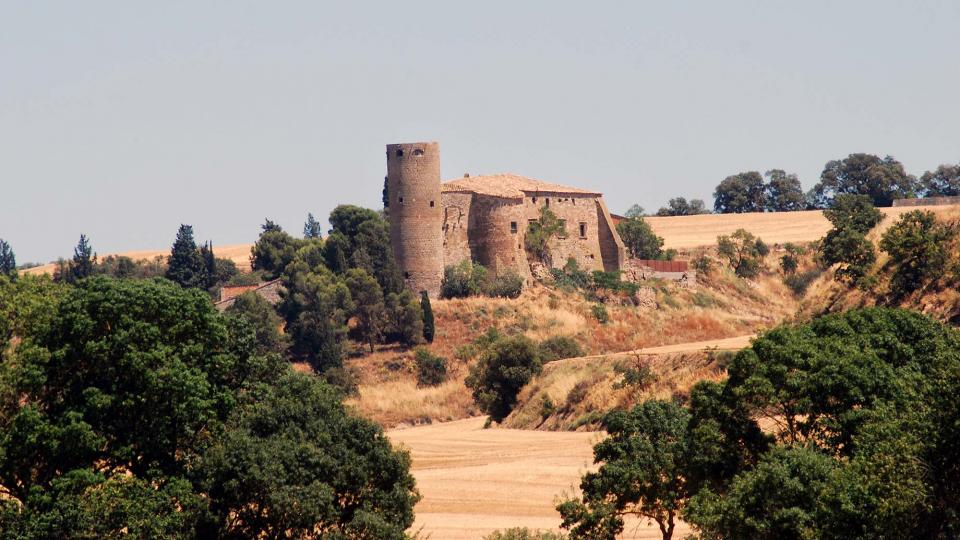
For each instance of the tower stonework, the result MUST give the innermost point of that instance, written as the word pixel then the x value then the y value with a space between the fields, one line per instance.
pixel 416 213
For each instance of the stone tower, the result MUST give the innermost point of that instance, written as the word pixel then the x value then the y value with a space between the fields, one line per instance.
pixel 416 215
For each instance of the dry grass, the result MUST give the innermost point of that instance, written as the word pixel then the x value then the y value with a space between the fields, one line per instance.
pixel 238 253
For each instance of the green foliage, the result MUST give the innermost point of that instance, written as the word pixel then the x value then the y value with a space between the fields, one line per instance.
pixel 680 207
pixel 315 307
pixel 294 463
pixel 599 312
pixel 368 306
pixel 571 277
pixel 523 533
pixel 273 250
pixel 636 375
pixel 743 192
pixel 540 233
pixel 943 182
pixel 919 249
pixel 8 261
pixel 743 251
pixel 783 192
pixel 431 369
pixel 854 212
pixel 611 281
pixel 881 180
pixel 473 279
pixel 363 239
pixel 702 264
pixel 81 266
pixel 639 239
pixel 311 228
pixel 506 285
pixel 132 408
pixel 185 265
pixel 642 472
pixel 800 282
pixel 559 347
pixel 846 243
pixel 429 325
pixel 501 372
pixel 634 211
pixel 262 318
pixel 405 319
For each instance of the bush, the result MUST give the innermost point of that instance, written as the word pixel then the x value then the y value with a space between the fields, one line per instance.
pixel 600 313
pixel 918 248
pixel 557 347
pixel 501 372
pixel 798 283
pixel 577 394
pixel 508 285
pixel 702 264
pixel 539 234
pixel 523 533
pixel 431 369
pixel 636 375
pixel 343 379
pixel 639 239
pixel 743 251
pixel 789 263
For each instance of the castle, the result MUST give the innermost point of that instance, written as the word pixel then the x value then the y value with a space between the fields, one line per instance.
pixel 435 224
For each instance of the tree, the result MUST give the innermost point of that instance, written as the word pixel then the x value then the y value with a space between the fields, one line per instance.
pixel 639 239
pixel 294 463
pixel 405 319
pixel 919 249
pixel 368 307
pixel 431 369
pixel 429 328
pixel 743 251
pixel 540 233
pixel 883 180
pixel 8 261
pixel 642 472
pixel 943 182
pixel 635 211
pixel 846 244
pixel 783 192
pixel 315 307
pixel 210 269
pixel 680 207
pixel 311 229
pixel 501 372
pixel 743 192
pixel 363 241
pixel 83 263
pixel 186 265
pixel 256 311
pixel 273 250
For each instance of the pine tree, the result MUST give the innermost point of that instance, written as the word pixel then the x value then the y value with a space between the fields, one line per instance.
pixel 83 262
pixel 185 264
pixel 209 264
pixel 428 323
pixel 311 229
pixel 269 225
pixel 8 261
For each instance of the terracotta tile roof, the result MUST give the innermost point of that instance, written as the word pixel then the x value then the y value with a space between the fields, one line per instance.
pixel 508 186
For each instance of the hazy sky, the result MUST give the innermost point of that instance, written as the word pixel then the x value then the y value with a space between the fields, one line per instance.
pixel 124 119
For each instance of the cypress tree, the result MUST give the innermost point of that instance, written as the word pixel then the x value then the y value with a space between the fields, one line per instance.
pixel 185 264
pixel 311 229
pixel 209 264
pixel 8 261
pixel 428 324
pixel 83 262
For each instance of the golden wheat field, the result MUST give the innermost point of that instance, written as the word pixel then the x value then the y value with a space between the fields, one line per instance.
pixel 238 253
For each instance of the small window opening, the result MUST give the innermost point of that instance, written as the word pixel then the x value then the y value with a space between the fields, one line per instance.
pixel 548 202
pixel 400 200
pixel 590 255
pixel 534 200
pixel 513 226
pixel 399 152
pixel 418 152
pixel 406 275
pixel 431 204
pixel 583 230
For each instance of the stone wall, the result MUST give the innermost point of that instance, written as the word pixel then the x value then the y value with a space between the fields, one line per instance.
pixel 270 291
pixel 575 210
pixel 416 213
pixel 456 225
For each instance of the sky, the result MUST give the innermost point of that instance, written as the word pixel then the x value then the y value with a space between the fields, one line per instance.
pixel 122 120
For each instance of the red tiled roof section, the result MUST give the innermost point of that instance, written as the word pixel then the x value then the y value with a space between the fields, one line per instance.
pixel 508 186
pixel 232 291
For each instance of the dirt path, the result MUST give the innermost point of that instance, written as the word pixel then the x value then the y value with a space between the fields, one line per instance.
pixel 476 480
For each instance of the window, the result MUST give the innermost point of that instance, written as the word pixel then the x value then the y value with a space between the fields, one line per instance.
pixel 406 275
pixel 431 204
pixel 513 227
pixel 399 152
pixel 534 200
pixel 418 152
pixel 583 229
pixel 400 200
pixel 548 202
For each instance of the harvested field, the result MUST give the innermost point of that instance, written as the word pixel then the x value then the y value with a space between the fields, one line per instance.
pixel 686 232
pixel 238 253
pixel 476 480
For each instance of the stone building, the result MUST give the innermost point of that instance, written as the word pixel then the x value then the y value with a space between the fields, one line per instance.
pixel 435 224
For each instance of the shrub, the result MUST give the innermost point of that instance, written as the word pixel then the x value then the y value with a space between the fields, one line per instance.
pixel 577 394
pixel 547 407
pixel 501 372
pixel 431 369
pixel 743 251
pixel 918 248
pixel 508 285
pixel 600 313
pixel 798 283
pixel 539 234
pixel 557 347
pixel 702 264
pixel 343 379
pixel 636 374
pixel 639 239
pixel 465 352
pixel 789 263
pixel 523 533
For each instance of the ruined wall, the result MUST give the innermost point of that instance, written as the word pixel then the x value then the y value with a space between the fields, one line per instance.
pixel 575 210
pixel 416 213
pixel 496 234
pixel 456 225
pixel 612 249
